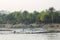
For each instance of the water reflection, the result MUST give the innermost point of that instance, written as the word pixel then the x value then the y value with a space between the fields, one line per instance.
pixel 42 36
pixel 53 36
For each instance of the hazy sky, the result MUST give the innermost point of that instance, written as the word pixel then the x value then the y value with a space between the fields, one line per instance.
pixel 30 5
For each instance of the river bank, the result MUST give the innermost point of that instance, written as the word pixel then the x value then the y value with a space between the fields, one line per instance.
pixel 31 27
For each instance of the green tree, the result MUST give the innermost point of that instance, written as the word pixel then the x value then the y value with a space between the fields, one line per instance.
pixel 42 16
pixel 25 16
pixel 51 13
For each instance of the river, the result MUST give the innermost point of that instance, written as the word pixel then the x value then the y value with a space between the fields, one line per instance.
pixel 41 36
pixel 9 35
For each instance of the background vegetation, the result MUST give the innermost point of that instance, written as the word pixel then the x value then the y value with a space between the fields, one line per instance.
pixel 25 17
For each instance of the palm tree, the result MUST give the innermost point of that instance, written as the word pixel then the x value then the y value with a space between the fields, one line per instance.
pixel 51 13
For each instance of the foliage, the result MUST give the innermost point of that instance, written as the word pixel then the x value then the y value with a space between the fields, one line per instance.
pixel 25 17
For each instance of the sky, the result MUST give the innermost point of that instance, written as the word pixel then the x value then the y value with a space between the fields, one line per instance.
pixel 29 5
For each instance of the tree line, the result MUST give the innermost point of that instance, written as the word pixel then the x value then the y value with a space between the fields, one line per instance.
pixel 48 16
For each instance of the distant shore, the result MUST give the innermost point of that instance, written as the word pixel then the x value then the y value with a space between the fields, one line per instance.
pixel 52 27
